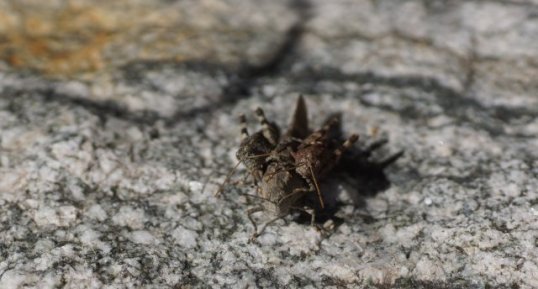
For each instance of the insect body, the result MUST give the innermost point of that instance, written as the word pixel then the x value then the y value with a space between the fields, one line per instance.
pixel 255 147
pixel 318 154
pixel 287 168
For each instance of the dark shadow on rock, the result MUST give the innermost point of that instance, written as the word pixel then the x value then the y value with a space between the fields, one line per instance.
pixel 240 80
pixel 366 175
pixel 247 76
pixel 454 103
pixel 102 109
pixel 362 177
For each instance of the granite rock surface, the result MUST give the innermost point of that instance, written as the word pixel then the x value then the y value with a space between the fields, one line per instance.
pixel 118 122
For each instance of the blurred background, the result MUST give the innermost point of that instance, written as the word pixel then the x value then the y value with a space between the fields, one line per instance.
pixel 484 49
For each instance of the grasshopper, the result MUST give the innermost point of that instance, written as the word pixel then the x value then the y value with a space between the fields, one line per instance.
pixel 286 168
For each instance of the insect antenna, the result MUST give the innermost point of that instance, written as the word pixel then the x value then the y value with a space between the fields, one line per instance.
pixel 259 156
pixel 232 171
pixel 227 179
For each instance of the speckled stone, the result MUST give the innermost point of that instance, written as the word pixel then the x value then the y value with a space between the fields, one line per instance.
pixel 113 142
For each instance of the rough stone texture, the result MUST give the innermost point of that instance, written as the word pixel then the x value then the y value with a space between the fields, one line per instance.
pixel 118 123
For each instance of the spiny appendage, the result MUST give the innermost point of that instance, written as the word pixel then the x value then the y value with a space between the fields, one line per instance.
pixel 346 145
pixel 329 125
pixel 321 135
pixel 299 122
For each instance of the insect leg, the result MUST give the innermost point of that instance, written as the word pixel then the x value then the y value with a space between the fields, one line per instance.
pixel 322 132
pixel 257 234
pixel 250 212
pixel 243 123
pixel 270 130
pixel 346 145
pixel 310 212
pixel 294 193
pixel 226 180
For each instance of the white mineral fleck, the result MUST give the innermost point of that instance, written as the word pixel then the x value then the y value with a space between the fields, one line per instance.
pixel 96 212
pixel 130 217
pixel 184 237
pixel 143 237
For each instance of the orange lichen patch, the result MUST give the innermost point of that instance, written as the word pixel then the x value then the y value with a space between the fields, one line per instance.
pixel 55 57
pixel 78 37
pixel 55 40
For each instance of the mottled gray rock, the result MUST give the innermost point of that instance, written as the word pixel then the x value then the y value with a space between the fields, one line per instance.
pixel 107 178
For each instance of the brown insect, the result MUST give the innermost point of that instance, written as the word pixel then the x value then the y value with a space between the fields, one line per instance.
pixel 269 161
pixel 254 148
pixel 286 168
pixel 318 154
pixel 281 187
